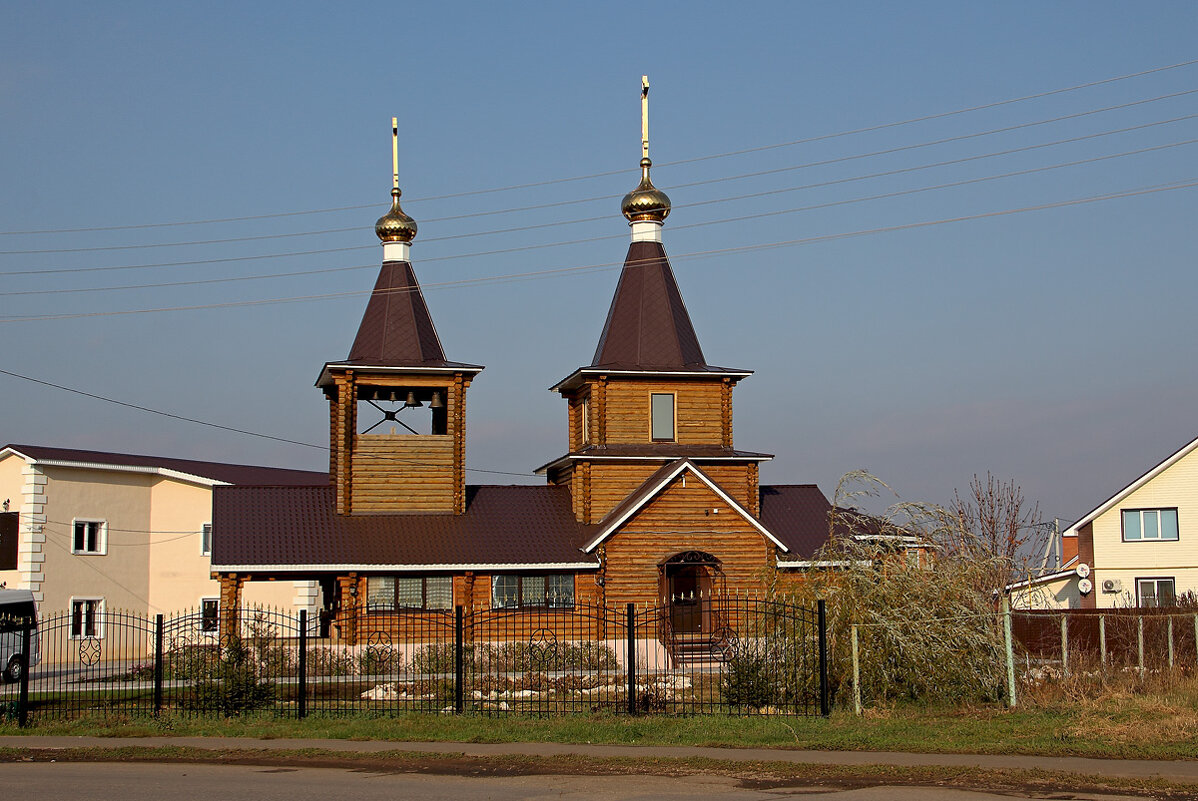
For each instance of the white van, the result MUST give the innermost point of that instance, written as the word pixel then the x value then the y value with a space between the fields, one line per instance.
pixel 16 607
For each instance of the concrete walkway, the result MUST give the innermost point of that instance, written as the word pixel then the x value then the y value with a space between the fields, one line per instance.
pixel 1173 770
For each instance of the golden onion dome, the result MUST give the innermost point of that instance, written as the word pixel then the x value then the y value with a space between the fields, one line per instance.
pixel 646 202
pixel 395 226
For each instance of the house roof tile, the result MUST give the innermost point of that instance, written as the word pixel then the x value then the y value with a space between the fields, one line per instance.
pixel 298 527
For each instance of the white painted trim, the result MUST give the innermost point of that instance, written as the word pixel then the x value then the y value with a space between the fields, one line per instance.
pixel 809 563
pixel 123 468
pixel 425 568
pixel 683 465
pixel 101 607
pixel 102 536
pixel 1109 503
pixel 32 536
pixel 646 230
pixel 397 251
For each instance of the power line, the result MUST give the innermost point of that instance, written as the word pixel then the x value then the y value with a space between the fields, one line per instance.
pixel 219 426
pixel 703 182
pixel 725 199
pixel 755 215
pixel 792 143
pixel 535 274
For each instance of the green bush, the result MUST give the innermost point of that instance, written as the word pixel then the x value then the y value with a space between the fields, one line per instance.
pixel 232 686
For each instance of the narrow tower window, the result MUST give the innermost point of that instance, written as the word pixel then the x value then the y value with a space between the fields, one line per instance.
pixel 662 417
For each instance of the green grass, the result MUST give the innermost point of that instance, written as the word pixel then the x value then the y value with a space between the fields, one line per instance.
pixel 1116 729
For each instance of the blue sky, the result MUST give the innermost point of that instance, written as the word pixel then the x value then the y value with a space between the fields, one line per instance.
pixel 1050 346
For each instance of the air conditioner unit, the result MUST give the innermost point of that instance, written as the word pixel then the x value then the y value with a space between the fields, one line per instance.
pixel 1112 585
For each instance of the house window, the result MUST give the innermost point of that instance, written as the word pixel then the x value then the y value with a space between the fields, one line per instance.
pixel 1149 524
pixel 1155 592
pixel 585 409
pixel 206 539
pixel 533 592
pixel 209 615
pixel 85 617
pixel 90 536
pixel 392 593
pixel 662 417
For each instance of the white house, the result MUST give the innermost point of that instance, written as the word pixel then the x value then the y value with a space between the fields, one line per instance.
pixel 88 531
pixel 1140 545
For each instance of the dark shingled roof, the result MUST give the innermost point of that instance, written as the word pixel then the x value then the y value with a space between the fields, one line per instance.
pixel 396 329
pixel 299 526
pixel 657 450
pixel 216 471
pixel 798 516
pixel 647 326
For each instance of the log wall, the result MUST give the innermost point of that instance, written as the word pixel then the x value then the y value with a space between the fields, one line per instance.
pixel 656 533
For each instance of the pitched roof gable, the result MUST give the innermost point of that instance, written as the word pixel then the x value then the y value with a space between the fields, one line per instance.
pixel 396 328
pixel 654 485
pixel 647 326
pixel 1106 505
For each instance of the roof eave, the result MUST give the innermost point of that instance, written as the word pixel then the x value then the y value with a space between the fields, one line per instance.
pixel 1152 473
pixel 326 379
pixel 576 378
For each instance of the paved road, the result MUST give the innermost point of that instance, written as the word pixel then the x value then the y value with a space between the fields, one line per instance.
pixel 152 782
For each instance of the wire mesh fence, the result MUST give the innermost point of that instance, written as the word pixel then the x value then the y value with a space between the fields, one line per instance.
pixel 731 655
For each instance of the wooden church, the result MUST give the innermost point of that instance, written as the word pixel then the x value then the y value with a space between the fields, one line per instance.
pixel 652 502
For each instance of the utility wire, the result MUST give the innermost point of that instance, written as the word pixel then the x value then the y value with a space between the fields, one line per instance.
pixel 535 274
pixel 725 199
pixel 219 426
pixel 792 143
pixel 703 182
pixel 723 220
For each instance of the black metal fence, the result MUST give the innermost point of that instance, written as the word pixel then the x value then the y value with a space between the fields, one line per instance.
pixel 744 656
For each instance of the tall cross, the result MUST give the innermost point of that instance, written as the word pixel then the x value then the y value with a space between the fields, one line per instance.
pixel 645 116
pixel 394 153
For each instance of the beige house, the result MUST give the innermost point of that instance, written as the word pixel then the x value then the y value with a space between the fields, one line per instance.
pixel 89 531
pixel 1137 548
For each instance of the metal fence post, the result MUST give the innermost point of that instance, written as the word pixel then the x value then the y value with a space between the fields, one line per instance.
pixel 856 675
pixel 825 707
pixel 1009 641
pixel 23 698
pixel 302 678
pixel 158 664
pixel 631 665
pixel 459 661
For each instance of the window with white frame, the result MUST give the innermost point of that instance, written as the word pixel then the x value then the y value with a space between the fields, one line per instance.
pixel 392 593
pixel 87 617
pixel 661 417
pixel 206 539
pixel 209 615
pixel 89 536
pixel 1141 525
pixel 1156 592
pixel 533 591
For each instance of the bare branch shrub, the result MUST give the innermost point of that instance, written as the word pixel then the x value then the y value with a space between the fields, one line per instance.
pixel 928 627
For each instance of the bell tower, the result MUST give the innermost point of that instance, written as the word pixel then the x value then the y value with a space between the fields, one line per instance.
pixel 397 407
pixel 649 396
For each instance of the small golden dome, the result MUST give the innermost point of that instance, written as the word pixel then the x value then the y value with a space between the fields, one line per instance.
pixel 646 202
pixel 395 226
